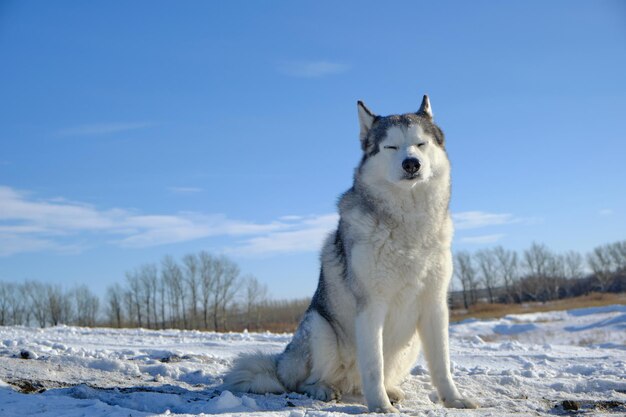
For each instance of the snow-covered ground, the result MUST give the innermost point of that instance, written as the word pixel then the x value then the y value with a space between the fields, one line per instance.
pixel 529 364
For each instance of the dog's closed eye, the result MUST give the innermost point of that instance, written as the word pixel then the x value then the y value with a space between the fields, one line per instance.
pixel 391 147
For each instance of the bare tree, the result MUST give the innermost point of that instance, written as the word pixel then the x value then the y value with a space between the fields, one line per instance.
pixel 207 283
pixel 602 264
pixel 86 306
pixel 255 295
pixel 148 276
pixel 192 279
pixel 536 263
pixel 177 295
pixel 617 251
pixel 129 309
pixel 18 301
pixel 218 270
pixel 573 269
pixel 573 264
pixel 5 294
pixel 135 294
pixel 37 300
pixel 154 288
pixel 58 304
pixel 555 276
pixel 536 259
pixel 173 303
pixel 115 301
pixel 226 286
pixel 508 268
pixel 488 264
pixel 465 271
pixel 162 291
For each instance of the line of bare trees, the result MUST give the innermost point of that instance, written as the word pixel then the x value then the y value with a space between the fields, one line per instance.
pixel 538 274
pixel 207 292
pixel 35 303
pixel 201 291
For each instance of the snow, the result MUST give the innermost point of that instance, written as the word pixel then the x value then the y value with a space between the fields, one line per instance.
pixel 523 364
pixel 584 326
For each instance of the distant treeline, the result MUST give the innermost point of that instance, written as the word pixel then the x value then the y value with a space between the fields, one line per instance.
pixel 35 304
pixel 201 291
pixel 207 292
pixel 499 275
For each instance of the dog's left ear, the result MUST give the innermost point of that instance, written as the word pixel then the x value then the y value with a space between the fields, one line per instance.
pixel 425 108
pixel 366 120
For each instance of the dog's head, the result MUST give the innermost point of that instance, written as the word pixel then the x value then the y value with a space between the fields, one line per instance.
pixel 405 150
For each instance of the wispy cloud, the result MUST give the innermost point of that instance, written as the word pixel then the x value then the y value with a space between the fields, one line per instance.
pixel 605 212
pixel 304 235
pixel 102 128
pixel 53 217
pixel 153 230
pixel 11 244
pixel 472 220
pixel 481 240
pixel 476 219
pixel 28 225
pixel 312 69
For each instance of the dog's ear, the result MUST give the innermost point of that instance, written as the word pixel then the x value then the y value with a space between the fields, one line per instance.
pixel 425 108
pixel 366 120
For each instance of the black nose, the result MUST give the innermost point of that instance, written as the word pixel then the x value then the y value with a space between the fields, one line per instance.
pixel 411 165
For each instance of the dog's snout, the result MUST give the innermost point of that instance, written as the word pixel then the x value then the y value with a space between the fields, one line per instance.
pixel 411 165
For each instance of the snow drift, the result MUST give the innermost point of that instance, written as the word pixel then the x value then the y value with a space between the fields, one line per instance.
pixel 525 364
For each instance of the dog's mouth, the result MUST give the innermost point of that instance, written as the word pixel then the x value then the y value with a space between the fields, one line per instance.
pixel 411 177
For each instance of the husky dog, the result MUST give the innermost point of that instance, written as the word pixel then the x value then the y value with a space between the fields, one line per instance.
pixel 383 280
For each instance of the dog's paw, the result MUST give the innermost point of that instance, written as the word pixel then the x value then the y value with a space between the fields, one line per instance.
pixel 322 392
pixel 395 394
pixel 460 403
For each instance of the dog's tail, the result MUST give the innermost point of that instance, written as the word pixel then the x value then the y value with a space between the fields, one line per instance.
pixel 255 373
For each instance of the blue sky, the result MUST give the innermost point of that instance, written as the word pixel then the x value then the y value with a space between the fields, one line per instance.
pixel 132 130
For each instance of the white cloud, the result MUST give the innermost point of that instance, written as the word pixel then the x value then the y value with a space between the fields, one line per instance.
pixel 307 235
pixel 605 212
pixel 312 69
pixel 153 230
pixel 480 240
pixel 53 216
pixel 28 225
pixel 291 217
pixel 102 128
pixel 476 219
pixel 11 244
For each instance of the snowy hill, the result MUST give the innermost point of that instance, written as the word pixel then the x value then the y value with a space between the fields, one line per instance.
pixel 527 364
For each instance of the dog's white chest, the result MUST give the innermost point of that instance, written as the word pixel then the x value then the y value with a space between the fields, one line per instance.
pixel 397 259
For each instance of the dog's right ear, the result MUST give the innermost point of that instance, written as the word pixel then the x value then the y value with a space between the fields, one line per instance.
pixel 425 108
pixel 366 120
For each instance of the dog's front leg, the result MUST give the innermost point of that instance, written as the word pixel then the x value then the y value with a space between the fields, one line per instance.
pixel 369 343
pixel 433 329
